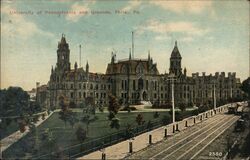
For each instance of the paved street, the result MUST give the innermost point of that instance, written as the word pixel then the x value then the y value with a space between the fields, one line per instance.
pixel 189 143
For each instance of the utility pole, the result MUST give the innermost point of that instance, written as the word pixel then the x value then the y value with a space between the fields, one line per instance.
pixel 80 56
pixel 214 97
pixel 133 44
pixel 173 101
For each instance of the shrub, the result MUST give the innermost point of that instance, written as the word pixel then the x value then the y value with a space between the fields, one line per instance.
pixel 81 134
pixel 149 124
pixel 139 119
pixel 115 123
pixel 166 119
pixel 156 115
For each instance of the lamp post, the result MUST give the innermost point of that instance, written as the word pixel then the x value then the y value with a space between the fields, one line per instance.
pixel 214 96
pixel 127 98
pixel 172 78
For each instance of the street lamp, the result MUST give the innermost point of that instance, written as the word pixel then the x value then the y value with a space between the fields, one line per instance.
pixel 172 78
pixel 127 98
pixel 214 96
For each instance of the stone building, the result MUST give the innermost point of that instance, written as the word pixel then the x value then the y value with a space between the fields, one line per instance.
pixel 75 84
pixel 135 81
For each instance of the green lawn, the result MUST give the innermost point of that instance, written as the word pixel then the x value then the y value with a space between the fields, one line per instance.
pixel 65 135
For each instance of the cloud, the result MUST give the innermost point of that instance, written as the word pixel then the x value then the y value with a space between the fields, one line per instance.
pixel 187 39
pixel 161 37
pixel 17 25
pixel 131 5
pixel 194 7
pixel 22 40
pixel 78 7
pixel 188 28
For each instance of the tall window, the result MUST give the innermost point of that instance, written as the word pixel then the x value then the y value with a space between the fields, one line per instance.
pixel 133 84
pixel 140 83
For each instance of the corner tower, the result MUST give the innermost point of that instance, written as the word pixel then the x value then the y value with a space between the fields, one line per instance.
pixel 63 54
pixel 175 61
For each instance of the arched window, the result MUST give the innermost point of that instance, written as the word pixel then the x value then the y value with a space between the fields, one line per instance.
pixel 124 69
pixel 140 69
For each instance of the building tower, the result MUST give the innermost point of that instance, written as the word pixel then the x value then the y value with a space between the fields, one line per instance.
pixel 175 61
pixel 63 54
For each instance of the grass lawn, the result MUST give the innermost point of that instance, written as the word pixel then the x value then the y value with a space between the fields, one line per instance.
pixel 64 136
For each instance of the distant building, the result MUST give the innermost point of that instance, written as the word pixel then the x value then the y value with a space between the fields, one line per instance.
pixel 32 94
pixel 136 80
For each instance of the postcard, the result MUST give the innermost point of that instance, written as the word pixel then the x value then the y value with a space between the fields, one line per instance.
pixel 136 79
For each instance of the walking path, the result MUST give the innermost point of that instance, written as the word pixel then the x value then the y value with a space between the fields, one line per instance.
pixel 16 136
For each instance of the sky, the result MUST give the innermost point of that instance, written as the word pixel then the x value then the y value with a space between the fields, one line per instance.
pixel 212 36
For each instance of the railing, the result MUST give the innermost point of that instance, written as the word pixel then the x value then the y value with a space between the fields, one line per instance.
pixel 102 142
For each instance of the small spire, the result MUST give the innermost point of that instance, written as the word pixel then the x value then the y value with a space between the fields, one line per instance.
pixel 185 71
pixel 129 53
pixel 75 65
pixel 63 40
pixel 148 54
pixel 87 67
pixel 175 44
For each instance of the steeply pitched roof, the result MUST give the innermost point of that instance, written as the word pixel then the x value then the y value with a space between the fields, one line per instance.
pixel 175 53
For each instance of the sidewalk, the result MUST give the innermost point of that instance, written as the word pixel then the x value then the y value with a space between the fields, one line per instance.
pixel 16 136
pixel 120 150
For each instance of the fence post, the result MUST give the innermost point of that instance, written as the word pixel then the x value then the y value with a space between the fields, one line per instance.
pixel 194 119
pixel 150 139
pixel 103 156
pixel 165 132
pixel 177 127
pixel 130 147
pixel 186 125
pixel 173 128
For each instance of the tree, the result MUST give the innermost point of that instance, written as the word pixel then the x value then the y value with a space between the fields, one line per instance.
pixel 81 134
pixel 86 119
pixel 139 119
pixel 113 109
pixel 90 104
pixel 129 130
pixel 14 101
pixel 114 106
pixel 66 114
pixel 245 87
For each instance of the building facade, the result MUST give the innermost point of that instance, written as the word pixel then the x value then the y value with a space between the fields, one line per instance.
pixel 135 81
